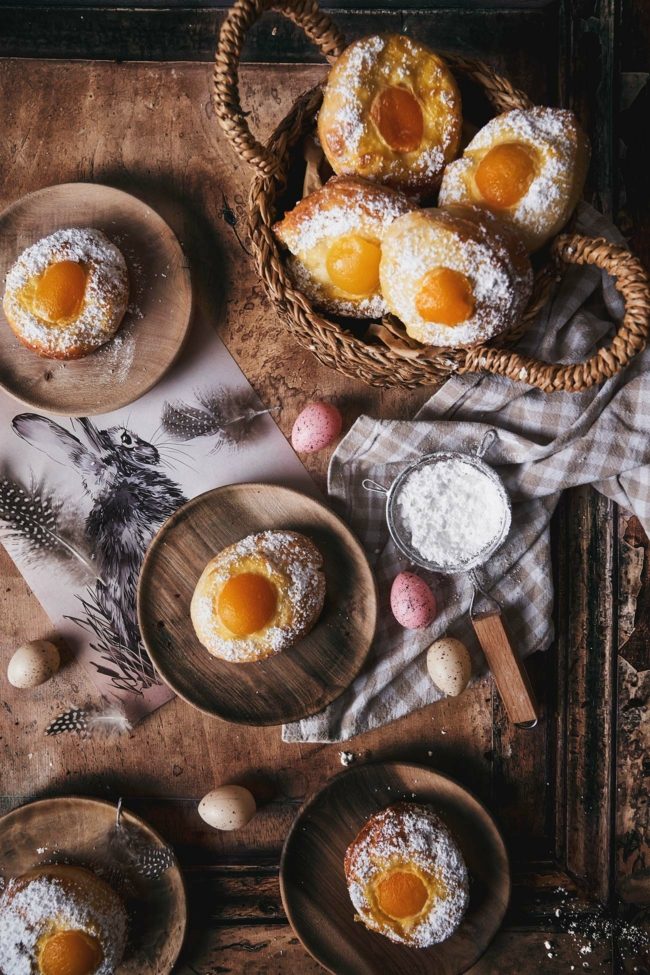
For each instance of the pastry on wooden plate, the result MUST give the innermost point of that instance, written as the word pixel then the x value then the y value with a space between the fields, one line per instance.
pixel 391 112
pixel 455 276
pixel 406 876
pixel 259 596
pixel 334 236
pixel 527 165
pixel 61 920
pixel 66 295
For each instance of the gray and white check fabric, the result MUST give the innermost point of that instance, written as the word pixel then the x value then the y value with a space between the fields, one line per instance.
pixel 545 443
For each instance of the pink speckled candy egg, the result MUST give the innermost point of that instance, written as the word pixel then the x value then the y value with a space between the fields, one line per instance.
pixel 412 602
pixel 316 427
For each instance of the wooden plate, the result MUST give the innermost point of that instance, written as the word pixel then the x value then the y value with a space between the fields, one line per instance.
pixel 153 329
pixel 77 830
pixel 314 891
pixel 289 685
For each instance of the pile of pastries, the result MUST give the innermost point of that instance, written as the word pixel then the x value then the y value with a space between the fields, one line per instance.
pixel 455 274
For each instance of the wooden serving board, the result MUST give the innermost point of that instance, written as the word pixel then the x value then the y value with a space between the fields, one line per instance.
pixel 286 686
pixel 314 890
pixel 155 324
pixel 76 830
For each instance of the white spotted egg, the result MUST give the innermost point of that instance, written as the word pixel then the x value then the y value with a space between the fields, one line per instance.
pixel 227 807
pixel 449 665
pixel 33 664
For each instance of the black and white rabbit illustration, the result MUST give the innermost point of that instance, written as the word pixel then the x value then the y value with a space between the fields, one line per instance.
pixel 131 497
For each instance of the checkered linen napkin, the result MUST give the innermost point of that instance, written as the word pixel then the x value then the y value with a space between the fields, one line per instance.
pixel 545 443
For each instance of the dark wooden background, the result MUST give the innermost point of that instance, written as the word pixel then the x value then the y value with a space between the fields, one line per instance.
pixel 119 95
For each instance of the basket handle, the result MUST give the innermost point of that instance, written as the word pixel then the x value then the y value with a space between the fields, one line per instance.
pixel 631 281
pixel 305 14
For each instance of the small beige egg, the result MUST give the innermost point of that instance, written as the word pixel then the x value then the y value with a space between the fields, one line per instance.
pixel 449 665
pixel 227 807
pixel 33 664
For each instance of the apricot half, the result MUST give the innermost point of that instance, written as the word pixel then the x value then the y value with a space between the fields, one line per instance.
pixel 246 603
pixel 401 894
pixel 353 264
pixel 504 174
pixel 397 114
pixel 59 291
pixel 70 953
pixel 445 296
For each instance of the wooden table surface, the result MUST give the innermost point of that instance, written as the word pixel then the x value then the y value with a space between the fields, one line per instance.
pixel 572 796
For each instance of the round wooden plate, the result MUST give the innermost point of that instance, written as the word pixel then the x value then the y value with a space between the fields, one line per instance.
pixel 289 685
pixel 153 329
pixel 78 830
pixel 314 891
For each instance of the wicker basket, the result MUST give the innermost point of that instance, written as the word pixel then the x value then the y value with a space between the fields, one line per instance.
pixel 336 345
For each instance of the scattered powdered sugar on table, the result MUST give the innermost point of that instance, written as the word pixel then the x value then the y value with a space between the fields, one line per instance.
pixel 452 510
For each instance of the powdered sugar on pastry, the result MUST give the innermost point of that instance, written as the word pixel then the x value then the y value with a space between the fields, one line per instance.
pixel 293 566
pixel 104 301
pixel 355 141
pixel 561 154
pixel 28 912
pixel 409 837
pixel 344 205
pixel 467 240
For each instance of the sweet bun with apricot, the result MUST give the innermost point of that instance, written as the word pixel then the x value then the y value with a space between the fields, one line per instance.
pixel 406 876
pixel 259 596
pixel 455 276
pixel 391 112
pixel 66 295
pixel 527 165
pixel 61 920
pixel 334 236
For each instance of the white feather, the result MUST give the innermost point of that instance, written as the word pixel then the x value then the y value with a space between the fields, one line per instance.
pixel 107 720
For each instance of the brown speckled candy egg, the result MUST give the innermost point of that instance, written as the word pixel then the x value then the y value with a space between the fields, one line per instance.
pixel 449 665
pixel 412 602
pixel 316 427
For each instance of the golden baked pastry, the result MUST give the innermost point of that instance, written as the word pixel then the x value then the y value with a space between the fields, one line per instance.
pixel 61 920
pixel 529 166
pixel 455 276
pixel 67 294
pixel 391 112
pixel 334 236
pixel 406 876
pixel 259 596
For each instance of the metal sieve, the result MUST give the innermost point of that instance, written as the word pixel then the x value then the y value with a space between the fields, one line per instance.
pixel 399 531
pixel 485 611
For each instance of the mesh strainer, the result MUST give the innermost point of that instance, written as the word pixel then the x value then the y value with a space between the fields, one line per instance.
pixel 485 612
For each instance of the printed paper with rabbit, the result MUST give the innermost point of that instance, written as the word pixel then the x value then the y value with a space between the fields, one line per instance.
pixel 80 500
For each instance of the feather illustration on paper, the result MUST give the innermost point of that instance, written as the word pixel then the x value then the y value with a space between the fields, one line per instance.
pixel 130 497
pixel 228 417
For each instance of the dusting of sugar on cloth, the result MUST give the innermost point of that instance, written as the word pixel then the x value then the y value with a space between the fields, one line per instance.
pixel 452 510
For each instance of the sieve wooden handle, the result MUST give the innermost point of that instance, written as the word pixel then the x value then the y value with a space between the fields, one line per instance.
pixel 631 281
pixel 307 15
pixel 510 675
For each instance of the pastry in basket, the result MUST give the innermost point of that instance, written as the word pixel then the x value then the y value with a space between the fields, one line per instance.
pixel 528 165
pixel 455 276
pixel 67 294
pixel 391 112
pixel 406 876
pixel 259 596
pixel 334 236
pixel 61 920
